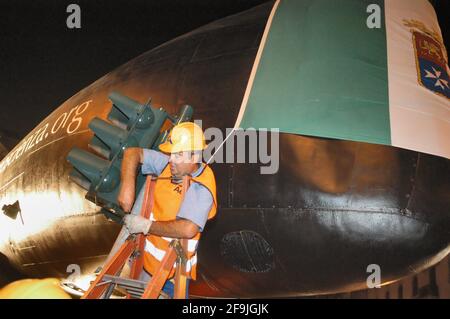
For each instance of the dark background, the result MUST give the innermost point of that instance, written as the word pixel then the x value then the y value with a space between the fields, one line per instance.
pixel 43 63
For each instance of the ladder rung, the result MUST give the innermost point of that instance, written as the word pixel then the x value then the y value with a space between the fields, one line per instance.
pixel 131 288
pixel 103 282
pixel 136 292
pixel 135 288
pixel 125 281
pixel 128 288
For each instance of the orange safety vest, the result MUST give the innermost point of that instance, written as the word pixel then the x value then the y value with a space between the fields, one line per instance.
pixel 167 201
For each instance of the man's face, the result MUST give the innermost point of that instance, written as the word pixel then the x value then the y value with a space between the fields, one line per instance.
pixel 182 163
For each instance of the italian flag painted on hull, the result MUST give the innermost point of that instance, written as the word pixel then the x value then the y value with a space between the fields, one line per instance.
pixel 321 71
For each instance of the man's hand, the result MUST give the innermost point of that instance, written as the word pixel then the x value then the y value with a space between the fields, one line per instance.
pixel 137 224
pixel 126 197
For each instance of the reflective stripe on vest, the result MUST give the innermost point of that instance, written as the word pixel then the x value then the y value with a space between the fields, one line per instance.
pixel 158 254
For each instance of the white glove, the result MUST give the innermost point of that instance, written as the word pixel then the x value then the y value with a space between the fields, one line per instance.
pixel 137 224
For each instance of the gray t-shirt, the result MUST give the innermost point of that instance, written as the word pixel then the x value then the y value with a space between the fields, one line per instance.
pixel 197 201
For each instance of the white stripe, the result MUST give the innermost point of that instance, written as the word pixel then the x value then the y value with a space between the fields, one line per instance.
pixel 192 245
pixel 159 253
pixel 255 65
pixel 152 250
pixel 12 180
pixel 191 262
pixel 252 77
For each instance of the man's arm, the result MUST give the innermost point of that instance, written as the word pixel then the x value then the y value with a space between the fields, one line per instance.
pixel 132 158
pixel 191 217
pixel 180 228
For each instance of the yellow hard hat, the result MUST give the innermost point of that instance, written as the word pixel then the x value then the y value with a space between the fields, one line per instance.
pixel 34 289
pixel 186 136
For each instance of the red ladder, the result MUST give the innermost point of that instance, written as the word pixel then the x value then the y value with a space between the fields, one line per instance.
pixel 102 287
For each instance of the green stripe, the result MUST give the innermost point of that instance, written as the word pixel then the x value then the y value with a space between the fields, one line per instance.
pixel 323 72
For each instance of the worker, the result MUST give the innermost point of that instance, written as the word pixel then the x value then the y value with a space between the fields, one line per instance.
pixel 172 217
pixel 48 288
